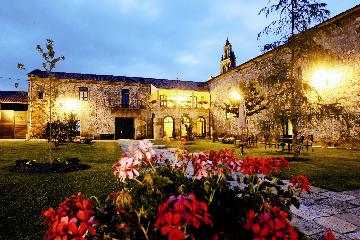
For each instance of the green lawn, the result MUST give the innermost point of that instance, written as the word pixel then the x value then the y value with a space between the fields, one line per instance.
pixel 23 196
pixel 333 169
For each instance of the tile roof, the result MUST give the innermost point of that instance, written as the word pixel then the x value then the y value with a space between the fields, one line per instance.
pixel 158 83
pixel 13 97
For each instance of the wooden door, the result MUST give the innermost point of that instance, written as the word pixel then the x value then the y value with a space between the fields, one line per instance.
pixel 124 128
pixel 6 124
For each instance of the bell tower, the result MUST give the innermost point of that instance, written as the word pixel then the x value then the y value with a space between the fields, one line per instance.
pixel 228 59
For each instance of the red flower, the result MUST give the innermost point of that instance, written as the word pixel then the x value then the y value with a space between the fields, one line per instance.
pixel 301 182
pixel 73 219
pixel 172 228
pixel 329 235
pixel 270 225
pixel 266 166
pixel 178 212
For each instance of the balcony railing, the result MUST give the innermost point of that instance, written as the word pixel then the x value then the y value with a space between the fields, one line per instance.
pixel 135 104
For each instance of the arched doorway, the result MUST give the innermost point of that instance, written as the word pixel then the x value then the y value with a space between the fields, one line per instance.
pixel 201 126
pixel 169 126
pixel 185 122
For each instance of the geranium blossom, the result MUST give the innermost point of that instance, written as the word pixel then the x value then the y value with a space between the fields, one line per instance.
pixel 143 152
pixel 178 212
pixel 266 166
pixel 125 167
pixel 301 182
pixel 329 235
pixel 74 219
pixel 270 225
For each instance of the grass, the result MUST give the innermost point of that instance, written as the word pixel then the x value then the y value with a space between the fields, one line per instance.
pixel 332 169
pixel 24 195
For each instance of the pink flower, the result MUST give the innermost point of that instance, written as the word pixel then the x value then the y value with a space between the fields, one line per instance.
pixel 125 167
pixel 201 169
pixel 143 152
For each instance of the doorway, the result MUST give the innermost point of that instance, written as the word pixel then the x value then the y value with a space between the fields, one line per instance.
pixel 124 128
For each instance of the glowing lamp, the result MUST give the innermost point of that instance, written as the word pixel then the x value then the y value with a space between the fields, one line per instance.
pixel 235 96
pixel 323 79
pixel 72 105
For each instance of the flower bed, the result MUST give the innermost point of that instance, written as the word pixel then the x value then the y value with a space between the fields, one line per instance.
pixel 193 196
pixel 69 165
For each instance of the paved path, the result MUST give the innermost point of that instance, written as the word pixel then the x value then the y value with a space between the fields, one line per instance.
pixel 319 211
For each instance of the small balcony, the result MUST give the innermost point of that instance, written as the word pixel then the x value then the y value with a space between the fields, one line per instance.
pixel 135 104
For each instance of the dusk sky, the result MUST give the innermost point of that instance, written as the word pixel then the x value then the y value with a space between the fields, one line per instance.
pixel 144 38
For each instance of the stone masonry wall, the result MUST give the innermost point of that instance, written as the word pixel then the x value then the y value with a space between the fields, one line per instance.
pixel 97 115
pixel 340 37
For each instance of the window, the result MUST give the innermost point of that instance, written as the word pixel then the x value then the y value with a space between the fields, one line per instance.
pixel 201 103
pixel 41 95
pixel 77 127
pixel 201 126
pixel 169 127
pixel 83 93
pixel 125 93
pixel 195 102
pixel 163 101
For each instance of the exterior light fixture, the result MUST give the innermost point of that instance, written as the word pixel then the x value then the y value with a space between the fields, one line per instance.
pixel 71 105
pixel 325 79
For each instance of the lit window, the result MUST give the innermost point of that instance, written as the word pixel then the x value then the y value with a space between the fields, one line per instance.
pixel 83 93
pixel 163 101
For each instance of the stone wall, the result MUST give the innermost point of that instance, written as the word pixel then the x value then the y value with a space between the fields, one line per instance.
pixel 97 115
pixel 340 36
pixel 177 114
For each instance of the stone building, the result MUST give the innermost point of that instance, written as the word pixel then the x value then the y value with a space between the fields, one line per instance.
pixel 337 81
pixel 113 107
pixel 13 114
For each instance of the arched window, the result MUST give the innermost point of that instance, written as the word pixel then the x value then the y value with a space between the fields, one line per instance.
pixel 201 126
pixel 185 122
pixel 168 126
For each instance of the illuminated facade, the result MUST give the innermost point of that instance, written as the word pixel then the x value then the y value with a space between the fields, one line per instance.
pixel 335 79
pixel 114 107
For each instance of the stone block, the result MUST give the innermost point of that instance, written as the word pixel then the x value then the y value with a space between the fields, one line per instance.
pixel 355 193
pixel 336 224
pixel 355 201
pixel 355 211
pixel 307 213
pixel 353 235
pixel 338 196
pixel 326 209
pixel 338 204
pixel 349 217
pixel 307 227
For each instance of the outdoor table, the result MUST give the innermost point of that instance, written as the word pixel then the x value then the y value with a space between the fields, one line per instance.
pixel 283 141
pixel 241 144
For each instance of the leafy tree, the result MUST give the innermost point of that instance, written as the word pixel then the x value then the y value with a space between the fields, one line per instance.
pixel 294 45
pixel 254 100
